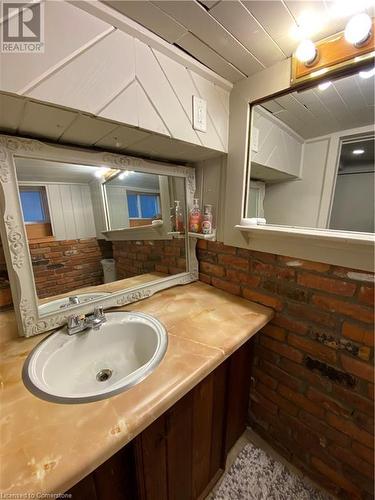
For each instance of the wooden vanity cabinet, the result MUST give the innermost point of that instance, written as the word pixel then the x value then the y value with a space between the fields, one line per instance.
pixel 182 454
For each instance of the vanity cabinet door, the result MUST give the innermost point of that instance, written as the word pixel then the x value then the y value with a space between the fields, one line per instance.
pixel 238 390
pixel 181 455
pixel 113 480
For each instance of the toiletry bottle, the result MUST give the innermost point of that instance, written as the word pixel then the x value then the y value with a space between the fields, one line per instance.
pixel 178 217
pixel 195 217
pixel 207 220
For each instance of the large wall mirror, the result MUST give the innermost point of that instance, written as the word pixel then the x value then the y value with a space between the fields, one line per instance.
pixel 84 228
pixel 311 157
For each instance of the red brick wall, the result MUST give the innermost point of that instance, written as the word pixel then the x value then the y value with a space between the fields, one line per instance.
pixel 312 368
pixel 62 266
pixel 140 257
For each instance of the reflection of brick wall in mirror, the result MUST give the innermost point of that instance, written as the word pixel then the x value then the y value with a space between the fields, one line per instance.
pixel 140 257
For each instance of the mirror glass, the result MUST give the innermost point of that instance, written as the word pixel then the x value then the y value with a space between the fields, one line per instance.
pixel 311 161
pixel 66 208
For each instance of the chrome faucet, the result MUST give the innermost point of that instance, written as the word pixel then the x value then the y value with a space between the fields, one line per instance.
pixel 78 323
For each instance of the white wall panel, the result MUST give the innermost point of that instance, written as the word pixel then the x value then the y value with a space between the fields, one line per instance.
pixel 215 108
pixel 180 80
pixel 278 148
pixel 71 211
pixel 160 93
pixel 67 29
pixel 113 75
pixel 148 115
pixel 89 81
pixel 124 107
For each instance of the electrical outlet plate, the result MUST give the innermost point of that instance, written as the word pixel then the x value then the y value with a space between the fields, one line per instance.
pixel 199 114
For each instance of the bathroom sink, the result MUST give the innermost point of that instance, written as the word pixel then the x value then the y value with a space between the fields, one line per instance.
pixel 63 303
pixel 96 364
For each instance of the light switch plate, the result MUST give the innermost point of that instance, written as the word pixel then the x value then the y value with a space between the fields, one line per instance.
pixel 255 139
pixel 199 114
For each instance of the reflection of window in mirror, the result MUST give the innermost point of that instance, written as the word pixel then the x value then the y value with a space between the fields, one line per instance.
pixel 295 144
pixel 35 211
pixel 135 199
pixel 143 208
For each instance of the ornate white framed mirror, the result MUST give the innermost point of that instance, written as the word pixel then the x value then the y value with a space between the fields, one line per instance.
pixel 81 228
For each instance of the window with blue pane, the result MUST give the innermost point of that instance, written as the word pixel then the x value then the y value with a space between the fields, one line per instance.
pixel 132 206
pixel 143 205
pixel 33 202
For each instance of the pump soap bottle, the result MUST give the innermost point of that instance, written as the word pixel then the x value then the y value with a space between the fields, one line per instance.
pixel 195 217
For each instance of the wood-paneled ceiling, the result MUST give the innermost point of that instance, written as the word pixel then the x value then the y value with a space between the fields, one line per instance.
pixel 348 103
pixel 237 38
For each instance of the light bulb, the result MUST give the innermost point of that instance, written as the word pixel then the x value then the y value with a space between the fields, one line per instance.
pixel 101 172
pixel 358 151
pixel 123 175
pixel 324 85
pixel 358 29
pixel 308 24
pixel 306 52
pixel 367 74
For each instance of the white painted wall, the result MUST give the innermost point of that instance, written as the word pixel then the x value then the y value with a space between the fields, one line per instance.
pixel 297 202
pixel 307 201
pixel 353 203
pixel 90 66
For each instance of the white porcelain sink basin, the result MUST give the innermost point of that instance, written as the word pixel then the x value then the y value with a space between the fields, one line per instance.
pixel 63 303
pixel 96 364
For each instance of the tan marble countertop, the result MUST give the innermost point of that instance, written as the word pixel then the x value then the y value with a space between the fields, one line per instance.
pixel 48 447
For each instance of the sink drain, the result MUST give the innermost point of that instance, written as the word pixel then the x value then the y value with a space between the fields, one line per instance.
pixel 104 375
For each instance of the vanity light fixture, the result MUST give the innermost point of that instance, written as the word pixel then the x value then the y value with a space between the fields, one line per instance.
pixel 367 74
pixel 358 151
pixel 324 85
pixel 358 30
pixel 306 52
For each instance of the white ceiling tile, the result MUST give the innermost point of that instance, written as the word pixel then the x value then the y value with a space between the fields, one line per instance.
pixel 210 58
pixel 272 106
pixel 151 17
pixel 366 86
pixel 11 109
pixel 199 22
pixel 312 113
pixel 276 20
pixel 121 137
pixel 87 130
pixel 327 24
pixel 165 147
pixel 350 93
pixel 45 121
pixel 237 19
